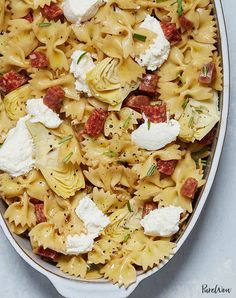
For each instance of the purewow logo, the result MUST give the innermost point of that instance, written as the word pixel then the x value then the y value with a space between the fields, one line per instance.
pixel 215 290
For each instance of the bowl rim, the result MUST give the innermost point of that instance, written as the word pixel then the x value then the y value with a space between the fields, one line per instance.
pixel 225 99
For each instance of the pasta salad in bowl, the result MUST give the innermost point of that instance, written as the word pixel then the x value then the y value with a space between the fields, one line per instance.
pixel 109 118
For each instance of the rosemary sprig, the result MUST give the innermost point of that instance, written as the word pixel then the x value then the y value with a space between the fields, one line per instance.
pixel 151 170
pixel 126 238
pixel 65 139
pixel 68 157
pixel 139 37
pixel 149 124
pixel 44 24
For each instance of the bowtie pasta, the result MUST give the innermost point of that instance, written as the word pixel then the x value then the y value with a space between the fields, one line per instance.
pixel 123 69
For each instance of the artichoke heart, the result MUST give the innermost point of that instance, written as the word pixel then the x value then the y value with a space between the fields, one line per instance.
pixel 199 118
pixel 105 83
pixel 65 179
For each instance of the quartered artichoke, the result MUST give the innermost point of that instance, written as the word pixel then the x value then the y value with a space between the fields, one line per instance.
pixel 199 118
pixel 106 84
pixel 64 178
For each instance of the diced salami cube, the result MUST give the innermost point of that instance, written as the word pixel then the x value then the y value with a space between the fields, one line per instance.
pixel 11 81
pixel 29 17
pixel 95 124
pixel 185 23
pixel 209 138
pixel 149 84
pixel 208 73
pixel 53 98
pixel 155 114
pixel 167 167
pixel 148 207
pixel 39 211
pixel 49 254
pixel 171 32
pixel 52 12
pixel 189 187
pixel 137 101
pixel 38 60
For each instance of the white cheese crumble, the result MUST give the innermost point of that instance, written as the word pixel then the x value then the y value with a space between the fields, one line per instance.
pixel 80 68
pixel 80 11
pixel 17 150
pixel 39 112
pixel 156 135
pixel 94 221
pixel 159 50
pixel 162 222
pixel 78 244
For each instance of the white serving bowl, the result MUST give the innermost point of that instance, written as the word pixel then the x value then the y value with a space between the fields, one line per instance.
pixel 71 287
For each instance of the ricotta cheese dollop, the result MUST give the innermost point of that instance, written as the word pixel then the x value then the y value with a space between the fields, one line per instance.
pixel 162 222
pixel 39 112
pixel 159 50
pixel 94 222
pixel 79 68
pixel 17 150
pixel 157 135
pixel 80 11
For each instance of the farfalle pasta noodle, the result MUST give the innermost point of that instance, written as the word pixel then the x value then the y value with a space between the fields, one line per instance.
pixel 109 168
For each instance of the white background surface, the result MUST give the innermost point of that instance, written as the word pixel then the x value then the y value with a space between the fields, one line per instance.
pixel 208 256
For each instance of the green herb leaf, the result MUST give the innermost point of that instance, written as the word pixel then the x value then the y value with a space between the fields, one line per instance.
pixel 65 139
pixel 126 238
pixel 127 122
pixel 205 70
pixel 180 8
pixel 44 24
pixel 191 121
pixel 151 170
pixel 68 157
pixel 140 37
pixel 149 124
pixel 110 154
pixel 204 162
pixel 81 57
pixel 129 207
pixel 126 228
pixel 185 103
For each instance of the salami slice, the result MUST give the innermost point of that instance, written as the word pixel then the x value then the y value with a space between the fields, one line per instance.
pixel 167 167
pixel 189 187
pixel 171 32
pixel 149 84
pixel 208 73
pixel 137 101
pixel 29 17
pixel 47 253
pixel 95 124
pixel 155 114
pixel 39 211
pixel 53 98
pixel 52 12
pixel 185 23
pixel 148 207
pixel 38 60
pixel 11 81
